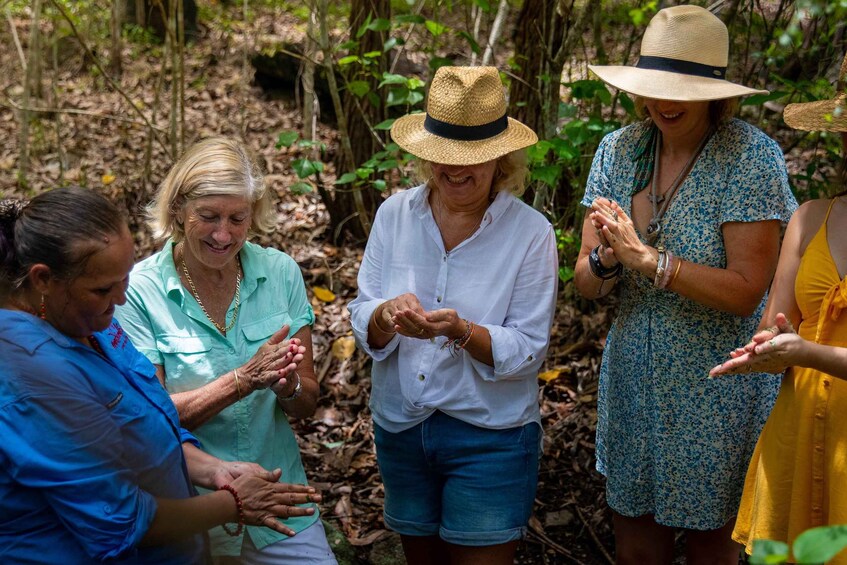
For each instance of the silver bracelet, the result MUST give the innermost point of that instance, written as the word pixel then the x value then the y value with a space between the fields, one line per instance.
pixel 298 389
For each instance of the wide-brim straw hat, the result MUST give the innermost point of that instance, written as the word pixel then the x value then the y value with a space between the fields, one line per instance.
pixel 684 55
pixel 821 115
pixel 465 121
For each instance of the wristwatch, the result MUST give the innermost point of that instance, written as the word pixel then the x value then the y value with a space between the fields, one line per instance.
pixel 298 388
pixel 598 269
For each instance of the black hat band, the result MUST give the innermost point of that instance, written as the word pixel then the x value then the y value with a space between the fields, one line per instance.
pixel 466 133
pixel 681 67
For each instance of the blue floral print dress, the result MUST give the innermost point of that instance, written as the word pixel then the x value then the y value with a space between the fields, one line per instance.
pixel 671 442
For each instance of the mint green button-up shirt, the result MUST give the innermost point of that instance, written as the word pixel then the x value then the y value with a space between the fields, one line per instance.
pixel 167 325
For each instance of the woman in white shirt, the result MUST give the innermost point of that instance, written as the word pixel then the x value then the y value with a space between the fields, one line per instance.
pixel 457 291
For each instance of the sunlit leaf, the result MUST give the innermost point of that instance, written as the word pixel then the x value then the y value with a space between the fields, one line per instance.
pixel 380 24
pixel 301 187
pixel 548 376
pixel 107 179
pixel 323 294
pixel 767 552
pixel 343 348
pixel 347 60
pixel 435 28
pixel 821 544
pixel 346 178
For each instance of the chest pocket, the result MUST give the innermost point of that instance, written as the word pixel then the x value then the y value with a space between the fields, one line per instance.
pixel 187 361
pixel 262 330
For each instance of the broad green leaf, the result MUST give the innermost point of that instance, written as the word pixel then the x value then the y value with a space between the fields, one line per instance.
pixel 347 60
pixel 759 99
pixel 627 103
pixel 349 46
pixel 414 98
pixel 305 168
pixel 386 165
pixel 548 174
pixel 364 27
pixel 286 139
pixel 483 5
pixel 346 178
pixel 409 19
pixel 359 88
pixel 385 124
pixel 372 54
pixel 388 78
pixel 390 44
pixel 301 187
pixel 380 185
pixel 364 172
pixel 767 552
pixel 380 24
pixel 435 28
pixel 819 545
pixel 397 96
pixel 565 274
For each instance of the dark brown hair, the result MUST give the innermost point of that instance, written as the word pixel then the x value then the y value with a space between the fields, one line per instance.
pixel 60 228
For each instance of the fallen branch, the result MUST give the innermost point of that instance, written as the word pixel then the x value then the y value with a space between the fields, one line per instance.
pixel 593 534
pixel 11 104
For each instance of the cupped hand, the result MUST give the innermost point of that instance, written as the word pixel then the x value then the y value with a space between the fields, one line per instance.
pixel 771 350
pixel 619 230
pixel 427 325
pixel 394 314
pixel 263 501
pixel 273 361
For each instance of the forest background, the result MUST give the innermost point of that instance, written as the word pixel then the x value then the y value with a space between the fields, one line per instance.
pixel 105 93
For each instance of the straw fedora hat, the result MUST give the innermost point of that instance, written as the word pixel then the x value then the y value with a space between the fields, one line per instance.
pixel 465 121
pixel 821 115
pixel 684 54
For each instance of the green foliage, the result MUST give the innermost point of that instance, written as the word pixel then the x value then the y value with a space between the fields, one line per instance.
pixel 817 545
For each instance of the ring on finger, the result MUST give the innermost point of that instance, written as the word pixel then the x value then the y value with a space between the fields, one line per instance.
pixel 420 331
pixel 614 216
pixel 773 343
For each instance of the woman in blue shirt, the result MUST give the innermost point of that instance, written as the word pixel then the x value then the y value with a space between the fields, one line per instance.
pixel 93 464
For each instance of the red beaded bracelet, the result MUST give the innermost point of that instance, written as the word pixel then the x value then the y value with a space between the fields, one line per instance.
pixel 240 506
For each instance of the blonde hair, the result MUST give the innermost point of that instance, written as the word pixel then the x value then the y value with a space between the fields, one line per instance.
pixel 511 174
pixel 719 110
pixel 215 166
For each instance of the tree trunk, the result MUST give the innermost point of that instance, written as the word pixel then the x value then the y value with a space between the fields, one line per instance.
pixel 546 34
pixel 362 114
pixel 115 24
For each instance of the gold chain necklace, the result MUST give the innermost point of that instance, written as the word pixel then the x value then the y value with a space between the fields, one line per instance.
pixel 231 324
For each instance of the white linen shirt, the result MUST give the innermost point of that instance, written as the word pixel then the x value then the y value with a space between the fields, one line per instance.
pixel 503 277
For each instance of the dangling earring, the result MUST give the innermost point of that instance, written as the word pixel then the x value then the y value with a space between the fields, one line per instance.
pixel 42 310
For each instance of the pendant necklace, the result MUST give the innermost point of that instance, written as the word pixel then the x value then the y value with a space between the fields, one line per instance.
pixel 654 228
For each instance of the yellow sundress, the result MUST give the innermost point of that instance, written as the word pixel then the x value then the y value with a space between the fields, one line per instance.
pixel 797 477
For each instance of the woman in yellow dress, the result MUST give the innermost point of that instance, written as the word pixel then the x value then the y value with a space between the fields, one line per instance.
pixel 797 477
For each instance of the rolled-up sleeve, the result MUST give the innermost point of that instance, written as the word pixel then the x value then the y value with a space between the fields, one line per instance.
pixel 520 344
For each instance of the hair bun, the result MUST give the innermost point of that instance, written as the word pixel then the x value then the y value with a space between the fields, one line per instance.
pixel 10 210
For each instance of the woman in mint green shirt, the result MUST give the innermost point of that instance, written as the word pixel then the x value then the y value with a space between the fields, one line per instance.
pixel 227 324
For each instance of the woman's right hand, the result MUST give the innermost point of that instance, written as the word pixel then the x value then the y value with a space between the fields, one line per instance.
pixel 619 230
pixel 274 360
pixel 263 500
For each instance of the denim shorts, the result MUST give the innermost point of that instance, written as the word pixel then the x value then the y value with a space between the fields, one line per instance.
pixel 469 485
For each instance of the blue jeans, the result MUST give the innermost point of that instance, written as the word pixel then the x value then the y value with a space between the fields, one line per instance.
pixel 470 485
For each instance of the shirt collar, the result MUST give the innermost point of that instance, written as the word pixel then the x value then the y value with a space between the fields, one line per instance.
pixel 255 271
pixel 419 203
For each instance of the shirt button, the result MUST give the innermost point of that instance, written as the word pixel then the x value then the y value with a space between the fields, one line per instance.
pixel 444 257
pixel 244 429
pixel 529 358
pixel 107 509
pixel 421 377
pixel 826 384
pixel 438 299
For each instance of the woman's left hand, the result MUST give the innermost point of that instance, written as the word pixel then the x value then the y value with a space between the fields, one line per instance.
pixel 619 231
pixel 228 471
pixel 772 350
